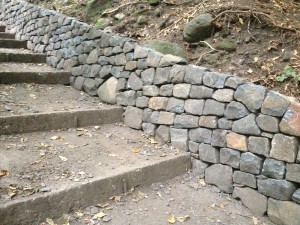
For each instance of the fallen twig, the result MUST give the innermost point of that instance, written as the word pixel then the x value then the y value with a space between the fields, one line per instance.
pixel 182 3
pixel 121 6
pixel 205 53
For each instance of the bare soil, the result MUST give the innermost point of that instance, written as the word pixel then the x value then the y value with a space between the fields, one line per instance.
pixel 266 33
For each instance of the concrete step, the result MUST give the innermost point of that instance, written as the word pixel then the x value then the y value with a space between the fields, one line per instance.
pixel 79 167
pixel 21 55
pixel 2 28
pixel 4 35
pixel 10 43
pixel 11 73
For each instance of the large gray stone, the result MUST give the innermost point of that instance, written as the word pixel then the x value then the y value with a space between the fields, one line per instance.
pixel 105 71
pixel 230 157
pixel 90 86
pixel 126 98
pixel 246 125
pixel 149 129
pixel 194 74
pixel 246 179
pixel 163 134
pixel 181 90
pixel 296 196
pixel 107 92
pixel 278 189
pixel 251 163
pixel 153 58
pixel 194 106
pixel 142 102
pixel 253 200
pixel 210 154
pixel 290 121
pixel 158 103
pixel 177 74
pixel 186 121
pixel 218 138
pixel 201 92
pixel 212 107
pixel 134 82
pixel 214 80
pixel 223 95
pixel 293 172
pixel 198 28
pixel 166 118
pixel 208 121
pixel 200 135
pixel 193 147
pixel 175 105
pixel 224 123
pixel 150 90
pixel 179 138
pixel 284 148
pixel 162 76
pixel 236 110
pixel 166 90
pixel 198 167
pixel 120 59
pixel 273 168
pixel 170 60
pixel 234 82
pixel 283 212
pixel 251 95
pixel 259 145
pixel 133 117
pixel 275 104
pixel 140 52
pixel 221 176
pixel 93 57
pixel 268 123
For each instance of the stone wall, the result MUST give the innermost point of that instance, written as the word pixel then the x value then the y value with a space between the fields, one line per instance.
pixel 241 137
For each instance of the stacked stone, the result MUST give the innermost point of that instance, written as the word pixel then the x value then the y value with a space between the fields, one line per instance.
pixel 241 137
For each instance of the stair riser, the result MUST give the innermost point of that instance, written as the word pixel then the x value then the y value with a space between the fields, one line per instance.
pixel 35 77
pixel 22 58
pixel 7 36
pixel 58 120
pixel 2 28
pixel 7 43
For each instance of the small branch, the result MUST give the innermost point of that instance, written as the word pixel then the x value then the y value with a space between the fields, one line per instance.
pixel 202 55
pixel 171 3
pixel 121 6
pixel 248 29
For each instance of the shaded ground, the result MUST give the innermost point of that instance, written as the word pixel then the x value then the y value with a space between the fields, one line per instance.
pixel 266 33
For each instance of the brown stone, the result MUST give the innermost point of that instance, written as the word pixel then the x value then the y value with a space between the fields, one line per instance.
pixel 166 118
pixel 158 103
pixel 293 172
pixel 290 123
pixel 236 141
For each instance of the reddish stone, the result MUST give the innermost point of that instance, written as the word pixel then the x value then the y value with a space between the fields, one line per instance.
pixel 290 123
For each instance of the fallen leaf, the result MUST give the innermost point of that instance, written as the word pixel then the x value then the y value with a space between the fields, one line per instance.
pixel 202 182
pixel 182 219
pixel 222 206
pixel 172 219
pixel 116 198
pixel 255 220
pixel 50 221
pixel 250 71
pixel 159 194
pixel 113 155
pixel 241 21
pixel 255 59
pixel 63 158
pixel 79 214
pixel 136 150
pixel 102 206
pixel 32 96
pixel 99 215
pixel 152 141
pixel 3 173
pixel 57 138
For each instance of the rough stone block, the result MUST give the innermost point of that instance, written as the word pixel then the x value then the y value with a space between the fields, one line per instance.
pixel 154 117
pixel 268 123
pixel 223 95
pixel 126 98
pixel 90 86
pixel 177 74
pixel 230 157
pixel 131 65
pixel 290 121
pixel 200 135
pixel 251 95
pixel 179 138
pixel 235 110
pixel 253 200
pixel 149 129
pixel 193 147
pixel 246 179
pixel 275 104
pixel 186 121
pixel 153 58
pixel 259 145
pixel 293 172
pixel 170 60
pixel 251 163
pixel 78 85
pixel 148 76
pixel 134 82
pixel 198 167
pixel 283 212
pixel 133 117
pixel 201 92
pixel 158 103
pixel 194 106
pixel 142 102
pixel 166 118
pixel 246 125
pixel 175 105
pixel 212 107
pixel 221 176
pixel 236 141
pixel 218 138
pixel 150 90
pixel 234 82
pixel 166 90
pixel 208 121
pixel 284 148
pixel 273 168
pixel 194 74
pixel 105 71
pixel 210 154
pixel 181 90
pixel 93 57
pixel 224 123
pixel 163 134
pixel 120 59
pixel 213 79
pixel 296 196
pixel 278 189
pixel 162 76
pixel 140 52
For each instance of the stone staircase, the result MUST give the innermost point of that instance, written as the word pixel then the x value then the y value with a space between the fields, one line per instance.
pixel 63 149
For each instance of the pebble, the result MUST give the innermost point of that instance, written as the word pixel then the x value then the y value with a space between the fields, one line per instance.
pixel 7 108
pixel 45 189
pixel 106 219
pixel 94 210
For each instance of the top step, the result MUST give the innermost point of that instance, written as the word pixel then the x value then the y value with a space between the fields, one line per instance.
pixel 2 28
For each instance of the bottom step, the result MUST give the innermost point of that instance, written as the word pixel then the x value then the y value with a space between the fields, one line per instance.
pixel 60 171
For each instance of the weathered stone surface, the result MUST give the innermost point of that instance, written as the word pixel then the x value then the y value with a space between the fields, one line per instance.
pixel 251 95
pixel 275 104
pixel 179 138
pixel 78 85
pixel 296 196
pixel 246 125
pixel 162 76
pixel 218 138
pixel 251 163
pixel 134 82
pixel 131 65
pixel 150 90
pixel 142 64
pixel 198 28
pixel 223 123
pixel 198 167
pixel 175 105
pixel 267 135
pixel 94 71
pixel 194 74
pixel 223 95
pixel 186 121
pixel 163 134
pixel 76 71
pixel 236 110
pixel 283 212
pixel 246 179
pixel 200 135
pixel 230 157
pixel 153 58
pixel 126 98
pixel 273 168
pixel 166 90
pixel 166 118
pixel 226 45
pixel 293 172
pixel 193 147
pixel 221 176
pixel 207 153
pixel 149 129
pixel 128 47
pixel 290 121
pixel 170 60
pixel 181 90
pixel 253 200
pixel 105 71
pixel 194 106
pixel 154 117
pixel 259 145
pixel 284 148
pixel 133 117
pixel 268 123
pixel 158 103
pixel 142 102
pixel 278 189
pixel 140 52
pixel 107 92
pixel 208 121
pixel 234 82
pixel 120 60
pixel 177 74
pixel 212 107
pixel 201 92
pixel 90 86
pixel 236 141
pixel 213 79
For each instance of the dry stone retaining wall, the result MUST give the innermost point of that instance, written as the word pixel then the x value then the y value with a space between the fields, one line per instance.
pixel 241 137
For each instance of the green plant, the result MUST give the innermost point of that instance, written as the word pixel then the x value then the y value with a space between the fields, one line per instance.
pixel 288 72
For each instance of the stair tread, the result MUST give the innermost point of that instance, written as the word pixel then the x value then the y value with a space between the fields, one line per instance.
pixel 27 67
pixel 18 51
